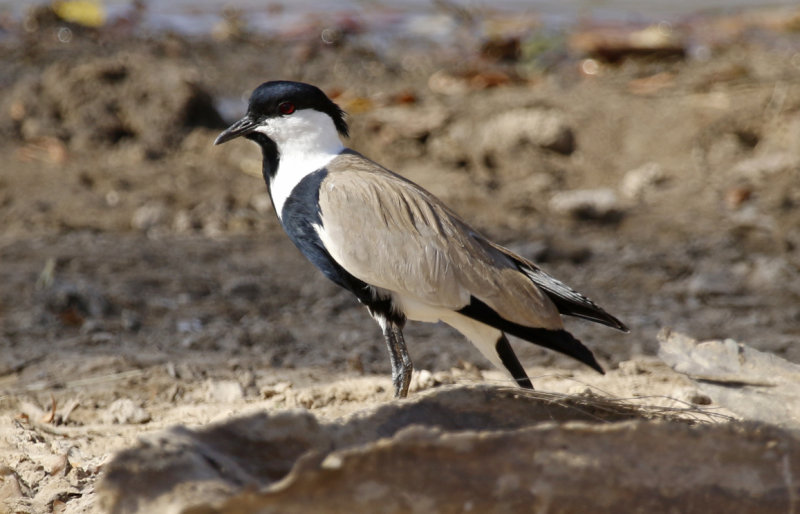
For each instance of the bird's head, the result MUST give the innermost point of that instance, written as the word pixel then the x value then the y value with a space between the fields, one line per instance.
pixel 290 115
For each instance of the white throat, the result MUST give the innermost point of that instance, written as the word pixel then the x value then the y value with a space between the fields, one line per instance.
pixel 307 140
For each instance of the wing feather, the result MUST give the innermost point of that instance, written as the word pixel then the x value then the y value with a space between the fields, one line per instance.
pixel 567 300
pixel 392 234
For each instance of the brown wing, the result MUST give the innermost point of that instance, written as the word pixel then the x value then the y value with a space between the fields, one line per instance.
pixel 389 232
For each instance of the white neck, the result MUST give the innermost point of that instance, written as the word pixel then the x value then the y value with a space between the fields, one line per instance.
pixel 307 140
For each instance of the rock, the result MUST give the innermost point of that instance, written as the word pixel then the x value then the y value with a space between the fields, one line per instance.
pixel 278 388
pixel 650 84
pixel 544 128
pixel 460 83
pixel 759 168
pixel 615 43
pixel 179 457
pixel 149 215
pixel 590 204
pixel 630 368
pixel 50 493
pixel 130 320
pixel 107 100
pixel 700 399
pixel 764 272
pixel 452 145
pixel 46 149
pixel 422 379
pixel 753 384
pixel 483 449
pixel 124 411
pixel 719 282
pixel 10 488
pixel 246 288
pixel 641 181
pixel 409 121
pixel 261 203
pixel 501 48
pixel 189 325
pixel 223 391
pixel 445 83
pixel 74 303
pixel 736 196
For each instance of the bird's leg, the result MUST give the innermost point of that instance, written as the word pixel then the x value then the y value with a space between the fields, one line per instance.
pixel 401 362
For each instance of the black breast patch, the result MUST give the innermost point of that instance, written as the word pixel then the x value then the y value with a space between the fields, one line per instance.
pixel 300 213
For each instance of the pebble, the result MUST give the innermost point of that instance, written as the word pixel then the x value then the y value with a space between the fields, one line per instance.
pixel 278 388
pixel 757 169
pixel 411 122
pixel 545 128
pixel 642 180
pixel 85 300
pixel 711 283
pixel 189 325
pixel 261 203
pixel 148 216
pixel 421 380
pixel 182 222
pixel 124 411
pixel 245 288
pixel 631 368
pixel 594 204
pixel 130 320
pixel 765 272
pixel 223 391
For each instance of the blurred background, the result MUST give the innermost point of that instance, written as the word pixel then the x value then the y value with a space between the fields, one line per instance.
pixel 646 153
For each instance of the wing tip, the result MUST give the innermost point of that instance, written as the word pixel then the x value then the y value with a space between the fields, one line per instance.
pixel 617 324
pixel 594 364
pixel 568 301
pixel 595 314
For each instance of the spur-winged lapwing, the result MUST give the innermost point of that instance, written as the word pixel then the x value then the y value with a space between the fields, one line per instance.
pixel 397 247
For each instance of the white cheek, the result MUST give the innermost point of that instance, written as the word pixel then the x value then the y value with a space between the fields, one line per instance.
pixel 288 130
pixel 265 128
pixel 307 141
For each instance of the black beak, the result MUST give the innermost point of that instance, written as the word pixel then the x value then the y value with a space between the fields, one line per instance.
pixel 240 128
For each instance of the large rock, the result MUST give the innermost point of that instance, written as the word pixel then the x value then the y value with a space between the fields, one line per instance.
pixel 479 449
pixel 755 385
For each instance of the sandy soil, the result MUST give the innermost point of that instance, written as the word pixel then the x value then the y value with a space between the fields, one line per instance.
pixel 145 281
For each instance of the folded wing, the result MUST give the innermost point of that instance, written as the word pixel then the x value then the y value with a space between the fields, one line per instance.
pixel 390 233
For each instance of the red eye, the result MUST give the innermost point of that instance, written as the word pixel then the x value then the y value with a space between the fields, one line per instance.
pixel 286 107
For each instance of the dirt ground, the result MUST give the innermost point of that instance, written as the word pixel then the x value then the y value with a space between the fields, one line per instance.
pixel 145 281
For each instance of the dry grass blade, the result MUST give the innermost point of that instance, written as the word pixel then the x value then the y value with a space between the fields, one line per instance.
pixel 80 382
pixel 50 416
pixel 607 408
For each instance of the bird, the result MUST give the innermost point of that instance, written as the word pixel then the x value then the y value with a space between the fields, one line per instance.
pixel 399 249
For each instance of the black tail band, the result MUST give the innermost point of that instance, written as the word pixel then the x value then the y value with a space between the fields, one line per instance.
pixel 558 340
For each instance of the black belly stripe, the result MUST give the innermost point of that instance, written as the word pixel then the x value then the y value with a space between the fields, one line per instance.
pixel 300 213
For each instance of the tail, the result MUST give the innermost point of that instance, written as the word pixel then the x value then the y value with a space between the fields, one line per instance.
pixel 558 340
pixel 567 300
pixel 493 344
